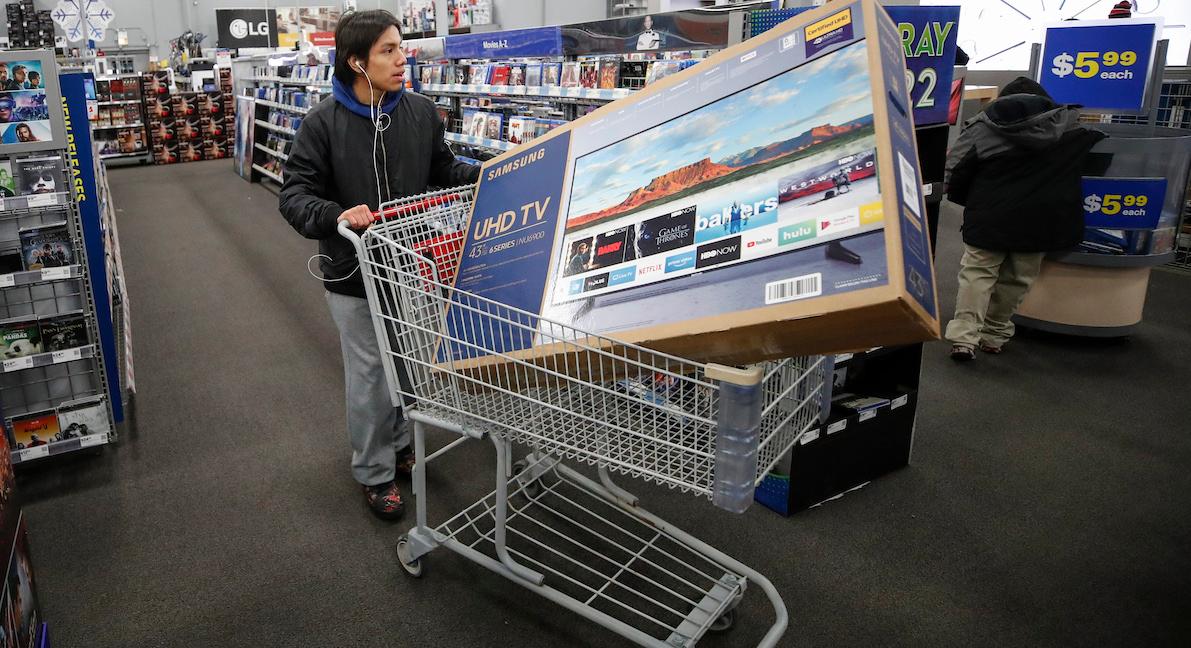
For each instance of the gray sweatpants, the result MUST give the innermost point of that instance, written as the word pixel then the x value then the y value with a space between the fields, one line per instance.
pixel 373 424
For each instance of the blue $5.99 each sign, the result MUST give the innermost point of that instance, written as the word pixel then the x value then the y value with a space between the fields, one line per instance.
pixel 1099 64
pixel 928 36
pixel 1123 203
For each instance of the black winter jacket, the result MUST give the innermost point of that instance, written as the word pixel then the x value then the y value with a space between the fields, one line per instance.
pixel 330 170
pixel 1016 168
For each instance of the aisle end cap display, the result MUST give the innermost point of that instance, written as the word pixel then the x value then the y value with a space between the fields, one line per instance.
pixel 711 216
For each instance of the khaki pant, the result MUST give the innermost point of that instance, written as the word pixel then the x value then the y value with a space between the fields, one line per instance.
pixel 991 287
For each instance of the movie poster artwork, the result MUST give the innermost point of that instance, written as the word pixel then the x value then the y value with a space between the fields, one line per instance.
pixel 24 111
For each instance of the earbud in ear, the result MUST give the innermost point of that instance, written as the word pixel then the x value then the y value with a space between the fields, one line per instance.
pixel 356 64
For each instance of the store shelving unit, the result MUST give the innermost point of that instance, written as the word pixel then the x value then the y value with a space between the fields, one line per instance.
pixel 1172 110
pixel 543 103
pixel 92 368
pixel 43 382
pixel 117 97
pixel 281 96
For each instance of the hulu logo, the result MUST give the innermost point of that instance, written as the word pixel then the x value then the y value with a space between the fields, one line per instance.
pixel 795 233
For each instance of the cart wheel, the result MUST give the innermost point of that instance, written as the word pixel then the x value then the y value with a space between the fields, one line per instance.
pixel 724 623
pixel 412 567
pixel 533 488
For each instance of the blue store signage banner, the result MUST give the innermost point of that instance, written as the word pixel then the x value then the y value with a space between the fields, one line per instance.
pixel 928 36
pixel 1102 65
pixel 541 41
pixel 1123 203
pixel 82 177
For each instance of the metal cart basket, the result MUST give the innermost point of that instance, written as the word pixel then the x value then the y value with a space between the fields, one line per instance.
pixel 581 542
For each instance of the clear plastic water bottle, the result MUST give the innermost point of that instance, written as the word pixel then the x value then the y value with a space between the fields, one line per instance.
pixel 736 444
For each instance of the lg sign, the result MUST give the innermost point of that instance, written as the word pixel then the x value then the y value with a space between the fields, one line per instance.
pixel 242 28
pixel 246 27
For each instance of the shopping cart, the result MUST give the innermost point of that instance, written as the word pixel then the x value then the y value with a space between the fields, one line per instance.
pixel 579 541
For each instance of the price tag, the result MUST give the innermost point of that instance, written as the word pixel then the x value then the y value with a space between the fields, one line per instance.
pixel 35 453
pixel 53 274
pixel 8 280
pixel 867 415
pixel 42 200
pixel 93 440
pixel 837 426
pixel 68 355
pixel 16 364
pixel 899 401
pixel 808 436
pixel 1123 203
pixel 1101 65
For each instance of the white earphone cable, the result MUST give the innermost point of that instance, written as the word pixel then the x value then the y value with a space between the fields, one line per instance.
pixel 380 123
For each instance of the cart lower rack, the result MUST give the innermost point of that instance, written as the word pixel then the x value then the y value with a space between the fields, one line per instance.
pixel 581 542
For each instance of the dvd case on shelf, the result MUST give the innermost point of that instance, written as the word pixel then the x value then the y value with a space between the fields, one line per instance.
pixel 551 74
pixel 20 337
pixel 533 75
pixel 8 182
pixel 570 75
pixel 77 419
pixel 500 75
pixel 588 75
pixel 609 70
pixel 40 175
pixel 63 332
pixel 47 246
pixel 35 429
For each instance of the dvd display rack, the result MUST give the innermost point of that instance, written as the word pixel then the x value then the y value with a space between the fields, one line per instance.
pixel 117 287
pixel 120 127
pixel 282 95
pixel 53 385
pixel 188 126
pixel 492 105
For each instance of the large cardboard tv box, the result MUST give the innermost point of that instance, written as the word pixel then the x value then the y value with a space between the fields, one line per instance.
pixel 765 203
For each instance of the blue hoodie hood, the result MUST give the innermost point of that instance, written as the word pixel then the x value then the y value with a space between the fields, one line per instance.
pixel 345 96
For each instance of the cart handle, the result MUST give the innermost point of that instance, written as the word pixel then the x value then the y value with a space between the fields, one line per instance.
pixel 415 207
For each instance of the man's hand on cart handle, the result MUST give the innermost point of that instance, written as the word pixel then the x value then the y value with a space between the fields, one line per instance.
pixel 358 217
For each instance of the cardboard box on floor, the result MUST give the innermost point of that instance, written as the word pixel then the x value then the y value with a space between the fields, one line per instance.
pixel 765 203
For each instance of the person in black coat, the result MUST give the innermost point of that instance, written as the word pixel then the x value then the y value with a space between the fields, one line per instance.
pixel 368 144
pixel 1016 169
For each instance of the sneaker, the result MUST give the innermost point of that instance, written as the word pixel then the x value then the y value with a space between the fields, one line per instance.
pixel 962 353
pixel 988 348
pixel 384 500
pixel 405 462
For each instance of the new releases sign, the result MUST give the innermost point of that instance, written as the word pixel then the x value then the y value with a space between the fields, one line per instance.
pixel 246 27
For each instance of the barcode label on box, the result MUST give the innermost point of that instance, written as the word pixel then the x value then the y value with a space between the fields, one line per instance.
pixel 899 401
pixel 837 426
pixel 809 435
pixel 864 416
pixel 810 285
pixel 7 280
